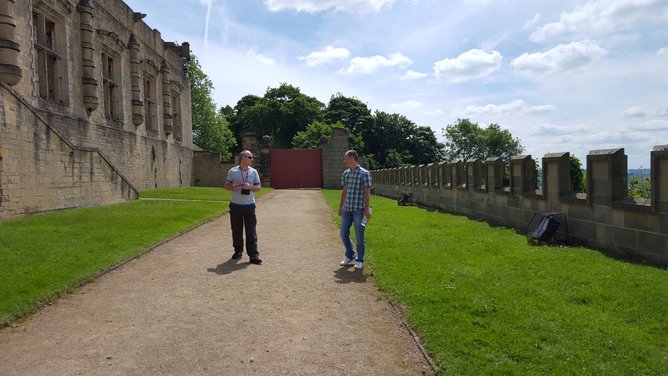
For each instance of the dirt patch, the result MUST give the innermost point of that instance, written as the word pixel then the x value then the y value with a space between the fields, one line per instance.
pixel 186 309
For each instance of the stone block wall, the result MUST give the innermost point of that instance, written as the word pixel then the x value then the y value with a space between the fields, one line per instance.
pixel 604 219
pixel 41 171
pixel 113 77
pixel 209 170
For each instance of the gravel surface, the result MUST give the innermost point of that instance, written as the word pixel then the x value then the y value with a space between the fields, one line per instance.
pixel 185 308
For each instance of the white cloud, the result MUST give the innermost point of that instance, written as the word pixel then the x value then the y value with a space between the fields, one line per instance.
pixel 434 113
pixel 516 107
pixel 314 6
pixel 261 58
pixel 413 75
pixel 366 65
pixel 325 56
pixel 470 65
pixel 562 58
pixel 408 105
pixel 651 125
pixel 603 16
pixel 662 112
pixel 558 130
pixel 662 51
pixel 532 22
pixel 634 112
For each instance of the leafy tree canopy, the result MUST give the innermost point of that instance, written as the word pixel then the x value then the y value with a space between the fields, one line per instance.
pixel 352 113
pixel 210 128
pixel 295 119
pixel 312 137
pixel 466 140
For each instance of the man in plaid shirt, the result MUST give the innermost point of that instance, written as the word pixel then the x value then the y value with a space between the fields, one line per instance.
pixel 354 205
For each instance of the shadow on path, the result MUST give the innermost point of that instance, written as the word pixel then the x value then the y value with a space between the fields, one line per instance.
pixel 228 267
pixel 349 275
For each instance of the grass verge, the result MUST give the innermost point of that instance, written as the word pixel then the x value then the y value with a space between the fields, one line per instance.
pixel 190 193
pixel 487 303
pixel 43 256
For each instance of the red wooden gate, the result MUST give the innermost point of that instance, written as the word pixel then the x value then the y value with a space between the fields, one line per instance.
pixel 295 168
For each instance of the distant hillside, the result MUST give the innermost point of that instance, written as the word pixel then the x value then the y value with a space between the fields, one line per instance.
pixel 640 173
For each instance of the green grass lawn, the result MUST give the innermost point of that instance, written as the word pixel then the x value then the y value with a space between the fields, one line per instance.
pixel 45 255
pixel 190 193
pixel 487 303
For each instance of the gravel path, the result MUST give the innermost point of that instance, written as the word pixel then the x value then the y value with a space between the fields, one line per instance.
pixel 186 309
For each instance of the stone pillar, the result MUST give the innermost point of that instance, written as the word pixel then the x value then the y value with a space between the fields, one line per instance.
pixel 433 175
pixel 415 176
pixel 423 179
pixel 167 99
pixel 265 157
pixel 457 171
pixel 332 158
pixel 474 173
pixel 494 167
pixel 135 83
pixel 523 175
pixel 89 73
pixel 556 175
pixel 10 72
pixel 607 176
pixel 659 179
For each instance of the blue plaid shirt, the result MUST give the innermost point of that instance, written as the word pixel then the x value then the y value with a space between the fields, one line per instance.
pixel 355 181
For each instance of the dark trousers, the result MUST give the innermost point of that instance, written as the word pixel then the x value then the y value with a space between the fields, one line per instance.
pixel 243 216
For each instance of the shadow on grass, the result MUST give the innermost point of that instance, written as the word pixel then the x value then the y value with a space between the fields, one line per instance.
pixel 228 267
pixel 349 275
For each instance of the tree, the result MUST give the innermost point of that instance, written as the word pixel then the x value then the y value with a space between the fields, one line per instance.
pixel 210 128
pixel 311 137
pixel 288 111
pixel 281 113
pixel 352 113
pixel 466 140
pixel 578 180
pixel 394 140
pixel 640 187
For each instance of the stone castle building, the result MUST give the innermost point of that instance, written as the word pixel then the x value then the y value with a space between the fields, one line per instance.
pixel 94 105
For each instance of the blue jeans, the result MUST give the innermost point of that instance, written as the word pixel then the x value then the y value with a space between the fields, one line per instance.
pixel 347 219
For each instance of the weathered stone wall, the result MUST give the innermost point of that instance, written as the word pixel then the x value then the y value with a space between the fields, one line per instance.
pixel 604 219
pixel 209 170
pixel 332 158
pixel 100 44
pixel 41 171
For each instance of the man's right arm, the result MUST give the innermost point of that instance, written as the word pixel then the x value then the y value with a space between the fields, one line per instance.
pixel 229 185
pixel 344 192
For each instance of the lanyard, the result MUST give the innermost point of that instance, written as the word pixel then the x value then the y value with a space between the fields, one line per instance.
pixel 244 180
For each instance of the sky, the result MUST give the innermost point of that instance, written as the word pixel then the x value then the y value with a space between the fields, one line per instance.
pixel 561 76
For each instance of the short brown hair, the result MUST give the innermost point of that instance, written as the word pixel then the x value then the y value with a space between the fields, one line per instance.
pixel 352 153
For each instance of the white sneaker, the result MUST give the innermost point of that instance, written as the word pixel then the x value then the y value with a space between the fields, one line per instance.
pixel 359 264
pixel 347 262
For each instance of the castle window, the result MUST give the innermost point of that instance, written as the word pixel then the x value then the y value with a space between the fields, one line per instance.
pixel 110 79
pixel 150 110
pixel 46 36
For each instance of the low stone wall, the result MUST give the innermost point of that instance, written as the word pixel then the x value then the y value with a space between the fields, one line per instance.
pixel 209 170
pixel 603 219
